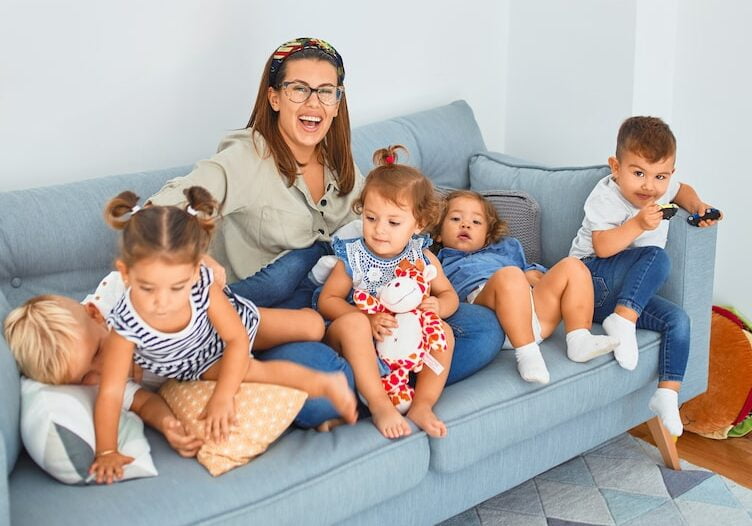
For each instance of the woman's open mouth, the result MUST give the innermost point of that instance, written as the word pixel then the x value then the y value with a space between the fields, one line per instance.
pixel 309 122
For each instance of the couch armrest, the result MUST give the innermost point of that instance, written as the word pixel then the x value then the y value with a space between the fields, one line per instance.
pixel 690 285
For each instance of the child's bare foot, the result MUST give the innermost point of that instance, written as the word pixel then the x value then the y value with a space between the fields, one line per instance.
pixel 389 421
pixel 341 396
pixel 426 419
pixel 328 425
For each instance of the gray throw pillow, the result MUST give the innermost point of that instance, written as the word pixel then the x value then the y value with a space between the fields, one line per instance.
pixel 522 214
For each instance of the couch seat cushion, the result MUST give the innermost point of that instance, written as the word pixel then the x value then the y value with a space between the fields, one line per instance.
pixel 304 478
pixel 495 408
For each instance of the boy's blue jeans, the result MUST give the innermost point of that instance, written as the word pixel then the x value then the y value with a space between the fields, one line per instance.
pixel 478 335
pixel 632 278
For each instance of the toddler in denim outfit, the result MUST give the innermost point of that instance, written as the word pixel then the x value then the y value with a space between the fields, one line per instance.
pixel 622 240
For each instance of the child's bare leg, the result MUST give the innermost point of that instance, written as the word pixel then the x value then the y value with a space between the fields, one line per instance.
pixel 507 292
pixel 665 404
pixel 566 291
pixel 621 324
pixel 428 388
pixel 351 335
pixel 289 374
pixel 280 326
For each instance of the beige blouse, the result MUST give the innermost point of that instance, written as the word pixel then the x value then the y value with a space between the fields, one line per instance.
pixel 262 218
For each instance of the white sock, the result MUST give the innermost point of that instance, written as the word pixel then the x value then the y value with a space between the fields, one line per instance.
pixel 626 352
pixel 665 404
pixel 530 363
pixel 583 346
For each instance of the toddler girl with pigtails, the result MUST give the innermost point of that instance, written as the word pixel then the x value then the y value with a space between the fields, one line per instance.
pixel 177 321
pixel 397 203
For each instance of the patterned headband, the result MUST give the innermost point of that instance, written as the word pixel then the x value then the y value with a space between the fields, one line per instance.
pixel 299 44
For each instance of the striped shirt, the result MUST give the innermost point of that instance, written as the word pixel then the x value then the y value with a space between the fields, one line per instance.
pixel 188 353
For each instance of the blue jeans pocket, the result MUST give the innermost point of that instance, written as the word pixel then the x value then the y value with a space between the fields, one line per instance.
pixel 600 290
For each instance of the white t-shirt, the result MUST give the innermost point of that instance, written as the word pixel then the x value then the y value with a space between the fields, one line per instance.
pixel 606 208
pixel 108 293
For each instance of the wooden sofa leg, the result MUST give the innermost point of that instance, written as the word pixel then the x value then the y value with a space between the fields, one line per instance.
pixel 665 442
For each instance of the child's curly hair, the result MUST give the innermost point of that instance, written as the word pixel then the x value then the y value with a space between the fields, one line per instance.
pixel 174 234
pixel 402 185
pixel 496 227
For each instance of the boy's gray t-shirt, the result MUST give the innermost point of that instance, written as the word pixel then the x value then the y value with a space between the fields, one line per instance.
pixel 606 208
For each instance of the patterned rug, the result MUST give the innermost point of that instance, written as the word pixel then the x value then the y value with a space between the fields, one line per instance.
pixel 621 482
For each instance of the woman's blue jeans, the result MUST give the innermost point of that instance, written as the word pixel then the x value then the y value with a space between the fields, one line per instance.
pixel 632 278
pixel 284 283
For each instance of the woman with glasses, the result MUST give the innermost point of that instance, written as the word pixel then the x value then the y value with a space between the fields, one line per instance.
pixel 285 183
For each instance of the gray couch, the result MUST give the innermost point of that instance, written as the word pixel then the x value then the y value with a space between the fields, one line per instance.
pixel 502 430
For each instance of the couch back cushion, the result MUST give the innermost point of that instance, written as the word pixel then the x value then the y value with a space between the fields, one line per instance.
pixel 440 142
pixel 560 192
pixel 54 240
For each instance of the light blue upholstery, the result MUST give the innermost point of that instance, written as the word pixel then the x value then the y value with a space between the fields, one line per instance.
pixel 440 142
pixel 501 430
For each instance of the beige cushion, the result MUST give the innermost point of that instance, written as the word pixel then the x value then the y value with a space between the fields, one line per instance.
pixel 263 412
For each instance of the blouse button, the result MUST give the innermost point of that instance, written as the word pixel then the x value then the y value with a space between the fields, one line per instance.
pixel 323 202
pixel 321 230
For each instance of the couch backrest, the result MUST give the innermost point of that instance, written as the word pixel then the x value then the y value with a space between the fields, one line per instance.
pixel 440 142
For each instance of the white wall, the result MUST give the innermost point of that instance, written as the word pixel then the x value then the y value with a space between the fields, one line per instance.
pixel 91 88
pixel 570 78
pixel 577 69
pixel 712 118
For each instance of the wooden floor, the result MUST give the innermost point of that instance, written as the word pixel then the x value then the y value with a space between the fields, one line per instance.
pixel 731 458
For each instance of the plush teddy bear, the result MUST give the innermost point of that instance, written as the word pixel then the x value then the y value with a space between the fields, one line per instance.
pixel 418 332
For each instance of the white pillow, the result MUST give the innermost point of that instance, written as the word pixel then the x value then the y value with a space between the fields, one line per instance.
pixel 57 429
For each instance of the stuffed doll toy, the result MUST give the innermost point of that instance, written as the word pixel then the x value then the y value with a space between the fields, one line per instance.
pixel 418 332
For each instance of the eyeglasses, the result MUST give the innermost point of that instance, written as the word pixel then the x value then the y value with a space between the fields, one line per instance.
pixel 299 92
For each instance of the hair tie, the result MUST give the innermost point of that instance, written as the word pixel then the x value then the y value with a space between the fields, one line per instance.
pixel 135 209
pixel 191 210
pixel 389 159
pixel 299 44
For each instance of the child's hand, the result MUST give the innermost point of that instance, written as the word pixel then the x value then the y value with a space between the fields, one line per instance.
pixel 649 217
pixel 430 304
pixel 700 209
pixel 219 415
pixel 382 325
pixel 108 468
pixel 186 445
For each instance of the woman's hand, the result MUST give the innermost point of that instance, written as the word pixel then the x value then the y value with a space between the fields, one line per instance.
pixel 220 275
pixel 219 414
pixel 108 467
pixel 187 445
pixel 382 325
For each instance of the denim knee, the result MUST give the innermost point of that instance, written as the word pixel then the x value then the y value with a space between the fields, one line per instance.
pixel 478 338
pixel 661 264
